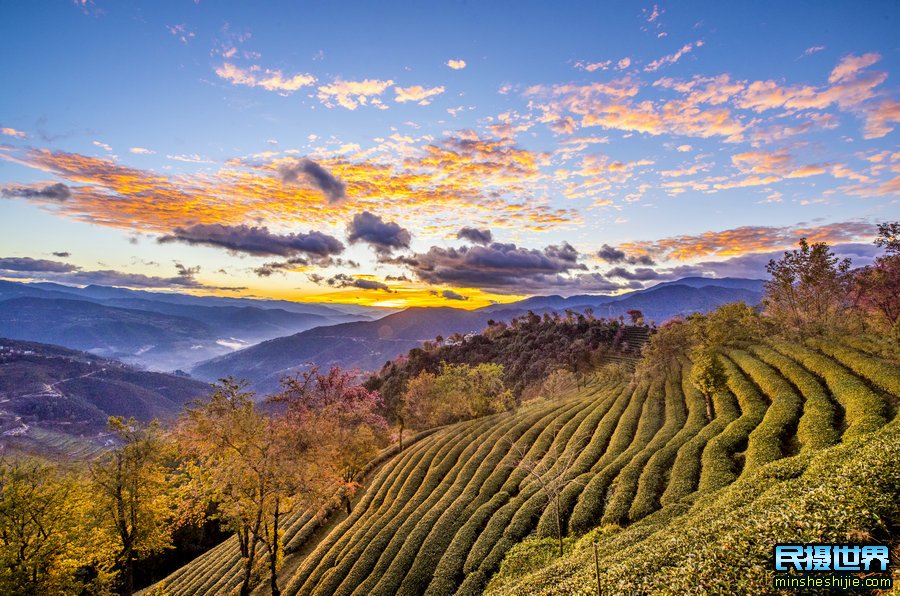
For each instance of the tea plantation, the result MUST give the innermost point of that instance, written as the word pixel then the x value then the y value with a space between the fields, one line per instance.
pixel 802 445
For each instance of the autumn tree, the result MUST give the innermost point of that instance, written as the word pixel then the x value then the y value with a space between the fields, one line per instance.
pixel 251 466
pixel 731 322
pixel 339 422
pixel 558 383
pixel 671 342
pixel 876 288
pixel 133 495
pixel 50 542
pixel 637 317
pixel 458 392
pixel 808 290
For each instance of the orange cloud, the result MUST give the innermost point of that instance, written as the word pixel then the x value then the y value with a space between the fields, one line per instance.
pixel 417 93
pixel 879 119
pixel 352 94
pixel 747 239
pixel 456 64
pixel 593 66
pixel 673 58
pixel 850 87
pixel 611 105
pixel 675 117
pixel 850 66
pixel 271 80
pixel 458 179
pixel 12 132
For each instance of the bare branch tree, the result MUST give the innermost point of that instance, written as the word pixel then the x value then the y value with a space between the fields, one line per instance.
pixel 552 472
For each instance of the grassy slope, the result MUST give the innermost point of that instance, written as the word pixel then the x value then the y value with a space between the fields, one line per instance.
pixel 441 517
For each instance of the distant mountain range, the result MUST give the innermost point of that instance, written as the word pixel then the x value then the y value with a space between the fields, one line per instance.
pixel 156 330
pixel 50 391
pixel 367 345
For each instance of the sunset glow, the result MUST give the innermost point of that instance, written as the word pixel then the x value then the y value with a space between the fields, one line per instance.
pixel 470 154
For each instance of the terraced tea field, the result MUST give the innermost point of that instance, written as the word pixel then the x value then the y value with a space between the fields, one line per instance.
pixel 440 517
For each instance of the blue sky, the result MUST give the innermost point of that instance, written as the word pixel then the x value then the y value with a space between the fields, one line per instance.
pixel 336 152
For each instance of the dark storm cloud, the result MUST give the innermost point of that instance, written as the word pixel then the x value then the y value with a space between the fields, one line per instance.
pixel 475 235
pixel 504 268
pixel 614 256
pixel 257 241
pixel 187 272
pixel 53 192
pixel 382 235
pixel 34 265
pixel 342 280
pixel 333 188
pixel 640 274
pixel 451 295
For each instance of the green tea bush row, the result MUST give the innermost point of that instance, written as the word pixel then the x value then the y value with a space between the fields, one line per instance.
pixel 781 417
pixel 393 478
pixel 624 489
pixel 589 487
pixel 449 572
pixel 589 509
pixel 685 475
pixel 524 488
pixel 883 347
pixel 367 547
pixel 723 544
pixel 395 562
pixel 882 373
pixel 658 471
pixel 604 422
pixel 516 519
pixel 864 410
pixel 816 429
pixel 364 514
pixel 719 464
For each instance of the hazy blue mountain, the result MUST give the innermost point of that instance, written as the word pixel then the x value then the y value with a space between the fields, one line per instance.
pixel 363 345
pixel 202 328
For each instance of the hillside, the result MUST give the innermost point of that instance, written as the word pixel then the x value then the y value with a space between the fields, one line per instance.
pixel 368 345
pixel 802 444
pixel 529 349
pixel 51 395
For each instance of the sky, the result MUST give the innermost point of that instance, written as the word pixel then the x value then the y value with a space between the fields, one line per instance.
pixel 439 153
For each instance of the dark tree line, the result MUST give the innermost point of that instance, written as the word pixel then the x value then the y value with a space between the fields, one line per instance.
pixel 528 348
